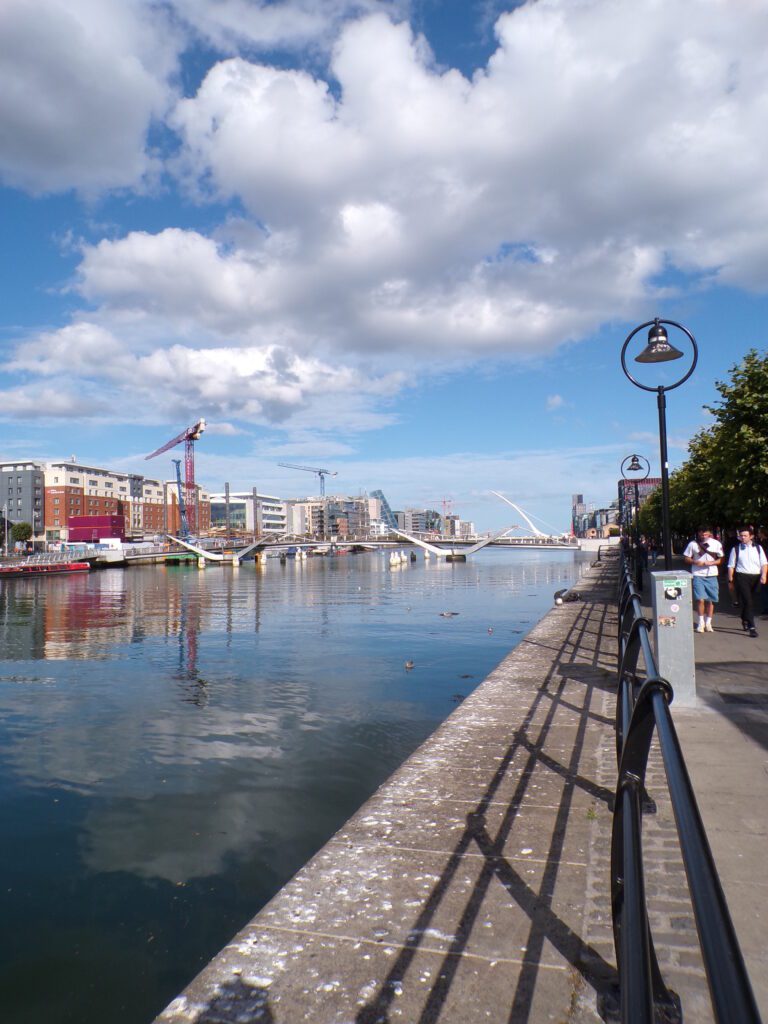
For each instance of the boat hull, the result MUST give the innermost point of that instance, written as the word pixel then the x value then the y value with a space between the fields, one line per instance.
pixel 15 572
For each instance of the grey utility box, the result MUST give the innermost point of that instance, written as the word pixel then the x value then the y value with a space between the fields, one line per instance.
pixel 673 632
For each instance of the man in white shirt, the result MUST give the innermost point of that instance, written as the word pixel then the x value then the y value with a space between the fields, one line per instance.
pixel 704 555
pixel 747 569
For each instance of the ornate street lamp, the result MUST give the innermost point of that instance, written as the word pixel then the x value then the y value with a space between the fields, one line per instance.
pixel 639 467
pixel 659 350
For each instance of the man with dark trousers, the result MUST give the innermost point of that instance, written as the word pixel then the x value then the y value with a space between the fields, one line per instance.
pixel 747 569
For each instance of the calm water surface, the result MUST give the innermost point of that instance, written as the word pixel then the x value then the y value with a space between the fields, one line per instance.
pixel 175 744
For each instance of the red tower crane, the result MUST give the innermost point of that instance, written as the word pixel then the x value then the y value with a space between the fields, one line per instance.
pixel 188 436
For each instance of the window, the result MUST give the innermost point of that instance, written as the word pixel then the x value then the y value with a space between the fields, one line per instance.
pixel 109 484
pixel 74 479
pixel 55 501
pixel 93 483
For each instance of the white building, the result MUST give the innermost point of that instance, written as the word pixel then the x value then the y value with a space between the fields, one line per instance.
pixel 266 514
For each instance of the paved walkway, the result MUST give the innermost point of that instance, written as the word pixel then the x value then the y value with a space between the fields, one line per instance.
pixel 474 885
pixel 725 742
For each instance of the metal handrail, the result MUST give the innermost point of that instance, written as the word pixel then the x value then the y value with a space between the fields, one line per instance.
pixel 642 708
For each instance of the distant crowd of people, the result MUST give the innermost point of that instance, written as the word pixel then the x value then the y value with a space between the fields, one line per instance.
pixel 745 557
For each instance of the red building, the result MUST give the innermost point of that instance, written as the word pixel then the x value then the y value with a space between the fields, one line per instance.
pixel 91 529
pixel 148 507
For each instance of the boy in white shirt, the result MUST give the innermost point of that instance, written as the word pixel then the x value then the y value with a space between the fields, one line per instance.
pixel 747 569
pixel 704 555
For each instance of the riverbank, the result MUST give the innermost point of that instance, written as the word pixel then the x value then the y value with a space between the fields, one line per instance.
pixel 474 885
pixel 457 892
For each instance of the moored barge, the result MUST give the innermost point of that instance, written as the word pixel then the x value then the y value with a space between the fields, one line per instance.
pixel 20 570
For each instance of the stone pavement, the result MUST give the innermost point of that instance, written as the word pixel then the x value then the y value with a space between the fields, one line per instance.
pixel 725 743
pixel 474 886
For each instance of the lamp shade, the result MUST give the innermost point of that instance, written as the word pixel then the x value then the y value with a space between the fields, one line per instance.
pixel 658 349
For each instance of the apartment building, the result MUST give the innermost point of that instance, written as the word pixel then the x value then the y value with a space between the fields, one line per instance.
pixel 419 520
pixel 335 515
pixel 75 490
pixel 249 512
pixel 22 493
pixel 148 506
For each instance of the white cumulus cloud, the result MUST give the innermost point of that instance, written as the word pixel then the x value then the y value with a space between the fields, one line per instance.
pixel 80 83
pixel 390 216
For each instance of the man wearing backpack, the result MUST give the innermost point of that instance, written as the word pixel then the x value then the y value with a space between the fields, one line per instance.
pixel 747 569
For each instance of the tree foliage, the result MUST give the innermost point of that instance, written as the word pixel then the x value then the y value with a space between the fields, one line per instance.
pixel 21 531
pixel 724 480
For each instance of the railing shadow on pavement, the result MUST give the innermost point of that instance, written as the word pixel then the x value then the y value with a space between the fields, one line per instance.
pixel 545 926
pixel 643 708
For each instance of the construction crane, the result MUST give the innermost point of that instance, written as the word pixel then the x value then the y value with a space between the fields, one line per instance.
pixel 188 436
pixel 322 473
pixel 183 521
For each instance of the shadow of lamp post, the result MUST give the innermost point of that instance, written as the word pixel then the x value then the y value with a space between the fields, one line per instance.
pixel 659 350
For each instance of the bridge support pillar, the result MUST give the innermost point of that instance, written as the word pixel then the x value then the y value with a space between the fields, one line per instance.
pixel 455 558
pixel 201 563
pixel 235 562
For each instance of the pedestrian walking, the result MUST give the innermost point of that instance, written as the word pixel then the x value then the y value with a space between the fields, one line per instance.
pixel 704 555
pixel 747 569
pixel 653 551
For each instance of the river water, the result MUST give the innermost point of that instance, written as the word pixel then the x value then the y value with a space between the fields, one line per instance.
pixel 175 744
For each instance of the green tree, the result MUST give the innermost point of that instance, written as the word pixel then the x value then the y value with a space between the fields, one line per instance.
pixel 724 480
pixel 737 452
pixel 21 532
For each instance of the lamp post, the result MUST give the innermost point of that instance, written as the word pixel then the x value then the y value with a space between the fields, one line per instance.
pixel 640 468
pixel 659 350
pixel 5 527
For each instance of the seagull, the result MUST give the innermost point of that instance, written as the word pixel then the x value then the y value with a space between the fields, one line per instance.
pixel 408 666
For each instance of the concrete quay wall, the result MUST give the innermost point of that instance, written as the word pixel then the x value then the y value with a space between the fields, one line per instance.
pixel 462 890
pixel 474 885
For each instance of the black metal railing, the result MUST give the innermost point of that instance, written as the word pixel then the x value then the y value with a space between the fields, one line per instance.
pixel 642 708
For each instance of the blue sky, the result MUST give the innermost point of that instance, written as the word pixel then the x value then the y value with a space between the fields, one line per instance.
pixel 401 240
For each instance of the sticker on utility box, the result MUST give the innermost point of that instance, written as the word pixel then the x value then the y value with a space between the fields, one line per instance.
pixel 679 584
pixel 667 620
